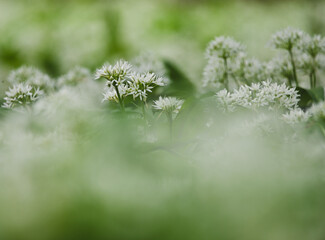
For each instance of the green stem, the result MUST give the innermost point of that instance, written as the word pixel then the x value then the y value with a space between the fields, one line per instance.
pixel 311 80
pixel 293 68
pixel 119 98
pixel 314 72
pixel 289 81
pixel 226 73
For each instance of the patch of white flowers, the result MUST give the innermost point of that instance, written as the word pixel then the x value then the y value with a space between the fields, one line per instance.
pixel 229 67
pixel 123 81
pixel 21 95
pixel 266 94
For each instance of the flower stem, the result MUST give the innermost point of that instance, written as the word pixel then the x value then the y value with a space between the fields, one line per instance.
pixel 119 98
pixel 293 68
pixel 225 73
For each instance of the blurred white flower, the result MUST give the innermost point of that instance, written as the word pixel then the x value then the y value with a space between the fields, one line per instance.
pixel 317 111
pixel 168 104
pixel 286 39
pixel 295 116
pixel 148 62
pixel 312 45
pixel 74 77
pixel 31 76
pixel 224 47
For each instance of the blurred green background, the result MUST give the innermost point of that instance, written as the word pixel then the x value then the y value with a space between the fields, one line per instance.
pixel 56 35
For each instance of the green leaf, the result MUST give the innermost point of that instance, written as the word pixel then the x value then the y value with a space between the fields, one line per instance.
pixel 180 84
pixel 310 96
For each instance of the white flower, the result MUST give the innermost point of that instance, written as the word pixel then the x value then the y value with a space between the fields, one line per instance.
pixel 281 69
pixel 168 104
pixel 249 70
pixel 312 45
pixel 214 73
pixel 142 84
pixel 317 111
pixel 295 116
pixel 225 100
pixel 115 75
pixel 74 76
pixel 148 62
pixel 31 76
pixel 21 95
pixel 223 47
pixel 286 39
pixel 110 93
pixel 266 94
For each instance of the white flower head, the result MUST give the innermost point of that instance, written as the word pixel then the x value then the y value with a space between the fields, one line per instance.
pixel 224 47
pixel 312 45
pixel 31 76
pixel 142 84
pixel 286 39
pixel 75 76
pixel 168 104
pixel 21 95
pixel 148 62
pixel 115 75
pixel 295 116
pixel 282 67
pixel 317 111
pixel 110 93
pixel 214 73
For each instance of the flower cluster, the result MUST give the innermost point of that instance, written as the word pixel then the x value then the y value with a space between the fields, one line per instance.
pixel 265 94
pixel 168 105
pixel 224 47
pixel 123 80
pixel 148 62
pixel 312 45
pixel 74 77
pixel 304 54
pixel 228 61
pixel 317 111
pixel 286 39
pixel 295 116
pixel 20 95
pixel 32 77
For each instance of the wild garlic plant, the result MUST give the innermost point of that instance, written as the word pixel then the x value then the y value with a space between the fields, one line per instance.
pixel 171 107
pixel 221 53
pixel 228 65
pixel 288 40
pixel 123 81
pixel 312 47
